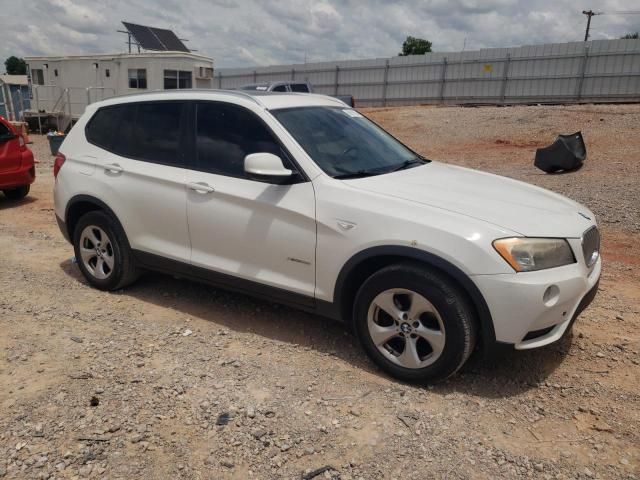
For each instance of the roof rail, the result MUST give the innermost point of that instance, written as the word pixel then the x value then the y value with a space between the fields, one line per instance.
pixel 237 93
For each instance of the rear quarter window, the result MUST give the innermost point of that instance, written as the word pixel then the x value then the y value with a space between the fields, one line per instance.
pixel 102 127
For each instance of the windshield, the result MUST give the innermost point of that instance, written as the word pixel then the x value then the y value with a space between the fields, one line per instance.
pixel 344 143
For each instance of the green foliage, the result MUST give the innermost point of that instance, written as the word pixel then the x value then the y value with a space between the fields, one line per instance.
pixel 15 66
pixel 415 46
pixel 630 36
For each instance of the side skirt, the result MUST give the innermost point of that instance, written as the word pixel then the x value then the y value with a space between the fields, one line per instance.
pixel 229 282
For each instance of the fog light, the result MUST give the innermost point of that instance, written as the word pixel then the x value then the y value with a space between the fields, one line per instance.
pixel 551 295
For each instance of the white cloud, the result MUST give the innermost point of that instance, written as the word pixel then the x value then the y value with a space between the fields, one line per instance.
pixel 254 32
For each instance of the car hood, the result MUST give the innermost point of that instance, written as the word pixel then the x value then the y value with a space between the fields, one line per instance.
pixel 510 204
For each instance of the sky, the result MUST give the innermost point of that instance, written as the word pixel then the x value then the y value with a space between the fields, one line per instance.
pixel 254 33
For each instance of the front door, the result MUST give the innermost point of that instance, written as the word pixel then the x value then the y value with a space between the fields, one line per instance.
pixel 251 230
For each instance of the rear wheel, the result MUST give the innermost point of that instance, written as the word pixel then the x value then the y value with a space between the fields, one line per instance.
pixel 102 252
pixel 416 324
pixel 17 193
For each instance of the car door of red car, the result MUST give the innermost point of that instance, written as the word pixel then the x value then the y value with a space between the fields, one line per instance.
pixel 10 156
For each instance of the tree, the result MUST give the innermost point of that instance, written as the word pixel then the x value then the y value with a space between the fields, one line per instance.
pixel 15 66
pixel 415 46
pixel 630 36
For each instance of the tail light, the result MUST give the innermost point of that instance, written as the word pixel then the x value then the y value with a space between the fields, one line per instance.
pixel 57 164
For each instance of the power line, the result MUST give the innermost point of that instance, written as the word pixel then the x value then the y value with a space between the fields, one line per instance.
pixel 591 13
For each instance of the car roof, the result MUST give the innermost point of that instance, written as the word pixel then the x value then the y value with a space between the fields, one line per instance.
pixel 275 83
pixel 267 100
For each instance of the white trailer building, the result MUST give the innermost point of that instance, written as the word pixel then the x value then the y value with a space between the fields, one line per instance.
pixel 63 86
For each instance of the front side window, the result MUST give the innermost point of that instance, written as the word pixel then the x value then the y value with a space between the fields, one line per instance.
pixel 137 78
pixel 279 88
pixel 177 79
pixel 225 134
pixel 344 143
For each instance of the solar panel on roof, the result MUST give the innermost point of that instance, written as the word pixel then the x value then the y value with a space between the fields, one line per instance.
pixel 145 38
pixel 169 39
pixel 159 39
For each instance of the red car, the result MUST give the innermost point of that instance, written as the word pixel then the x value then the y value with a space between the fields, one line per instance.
pixel 17 168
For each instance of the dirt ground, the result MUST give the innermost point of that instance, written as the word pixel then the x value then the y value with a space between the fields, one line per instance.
pixel 187 381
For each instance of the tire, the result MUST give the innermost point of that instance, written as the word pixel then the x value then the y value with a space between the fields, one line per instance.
pixel 17 193
pixel 113 267
pixel 429 313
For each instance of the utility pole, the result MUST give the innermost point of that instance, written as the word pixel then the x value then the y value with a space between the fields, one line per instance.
pixel 589 14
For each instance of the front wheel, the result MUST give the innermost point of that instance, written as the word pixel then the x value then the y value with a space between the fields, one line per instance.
pixel 415 323
pixel 102 252
pixel 17 193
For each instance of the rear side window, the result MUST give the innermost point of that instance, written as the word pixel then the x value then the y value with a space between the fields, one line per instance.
pixel 102 127
pixel 148 131
pixel 226 133
pixel 5 132
pixel 123 143
pixel 300 87
pixel 279 88
pixel 156 133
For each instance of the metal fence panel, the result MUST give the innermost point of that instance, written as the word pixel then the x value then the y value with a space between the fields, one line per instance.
pixel 595 71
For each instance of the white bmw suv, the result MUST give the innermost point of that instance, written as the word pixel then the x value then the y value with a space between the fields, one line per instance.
pixel 300 199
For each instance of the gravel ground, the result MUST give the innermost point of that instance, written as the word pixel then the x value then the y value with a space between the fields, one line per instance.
pixel 172 379
pixel 503 140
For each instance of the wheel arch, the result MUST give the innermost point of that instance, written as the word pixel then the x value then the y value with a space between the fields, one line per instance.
pixel 82 204
pixel 363 264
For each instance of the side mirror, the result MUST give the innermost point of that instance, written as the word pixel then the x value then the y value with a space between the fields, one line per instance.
pixel 266 167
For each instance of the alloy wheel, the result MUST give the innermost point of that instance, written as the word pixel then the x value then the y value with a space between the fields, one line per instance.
pixel 406 328
pixel 96 251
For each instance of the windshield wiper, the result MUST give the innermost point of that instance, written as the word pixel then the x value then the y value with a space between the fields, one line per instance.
pixel 407 164
pixel 358 174
pixel 369 173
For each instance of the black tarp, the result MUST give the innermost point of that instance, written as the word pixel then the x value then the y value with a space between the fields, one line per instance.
pixel 567 153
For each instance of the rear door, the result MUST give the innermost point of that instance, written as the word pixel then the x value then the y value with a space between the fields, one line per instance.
pixel 10 156
pixel 248 229
pixel 142 171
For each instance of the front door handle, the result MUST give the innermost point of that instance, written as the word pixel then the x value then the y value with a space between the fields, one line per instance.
pixel 200 187
pixel 113 168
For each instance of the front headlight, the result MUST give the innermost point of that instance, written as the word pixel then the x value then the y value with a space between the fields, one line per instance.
pixel 529 254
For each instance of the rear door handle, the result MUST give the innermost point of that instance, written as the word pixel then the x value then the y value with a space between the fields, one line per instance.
pixel 113 168
pixel 200 187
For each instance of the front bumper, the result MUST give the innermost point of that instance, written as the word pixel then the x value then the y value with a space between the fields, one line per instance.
pixel 534 309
